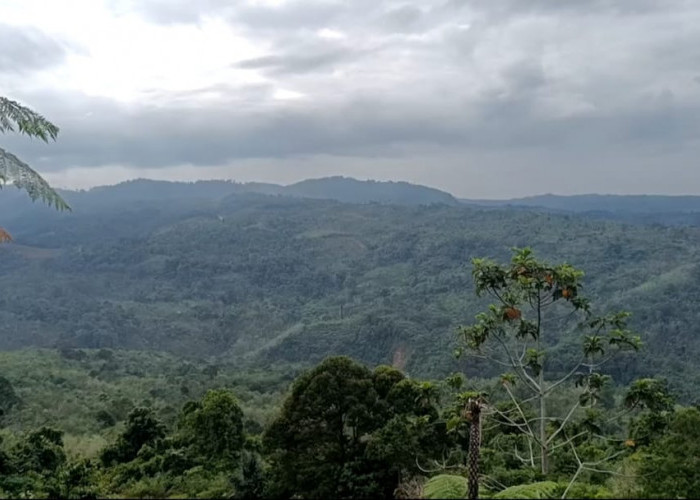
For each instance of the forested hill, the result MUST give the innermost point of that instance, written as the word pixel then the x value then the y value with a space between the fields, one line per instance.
pixel 272 279
pixel 648 209
pixel 342 189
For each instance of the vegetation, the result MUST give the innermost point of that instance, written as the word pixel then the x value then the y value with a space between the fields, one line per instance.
pixel 532 298
pixel 259 281
pixel 15 117
pixel 192 351
pixel 342 430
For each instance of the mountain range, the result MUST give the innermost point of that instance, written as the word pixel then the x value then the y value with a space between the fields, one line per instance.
pixel 260 274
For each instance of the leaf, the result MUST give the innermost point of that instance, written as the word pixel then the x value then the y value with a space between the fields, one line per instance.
pixel 453 423
pixel 543 489
pixel 446 486
pixel 14 171
pixel 28 122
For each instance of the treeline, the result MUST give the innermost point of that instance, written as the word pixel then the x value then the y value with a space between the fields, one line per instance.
pixel 345 431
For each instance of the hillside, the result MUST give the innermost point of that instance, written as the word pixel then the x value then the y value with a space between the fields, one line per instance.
pixel 645 209
pixel 264 280
pixel 342 189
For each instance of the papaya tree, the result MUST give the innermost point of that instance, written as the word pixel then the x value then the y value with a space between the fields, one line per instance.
pixel 15 117
pixel 535 305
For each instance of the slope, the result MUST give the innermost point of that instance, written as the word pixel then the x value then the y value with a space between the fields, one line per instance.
pixel 264 280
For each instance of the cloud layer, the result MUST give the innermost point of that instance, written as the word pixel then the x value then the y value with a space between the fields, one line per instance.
pixel 488 99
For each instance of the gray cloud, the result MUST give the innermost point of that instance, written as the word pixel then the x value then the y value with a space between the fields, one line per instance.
pixel 304 61
pixel 99 132
pixel 26 49
pixel 513 84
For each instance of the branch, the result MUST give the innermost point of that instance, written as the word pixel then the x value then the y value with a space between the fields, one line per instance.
pixel 561 427
pixel 527 379
pixel 522 459
pixel 22 176
pixel 489 358
pixel 511 423
pixel 590 466
pixel 27 121
pixel 566 377
pixel 520 410
pixel 569 440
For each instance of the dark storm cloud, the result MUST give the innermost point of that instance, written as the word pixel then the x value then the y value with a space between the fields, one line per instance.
pixel 26 49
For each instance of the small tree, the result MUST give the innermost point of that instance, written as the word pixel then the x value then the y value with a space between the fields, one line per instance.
pixel 536 304
pixel 142 428
pixel 214 427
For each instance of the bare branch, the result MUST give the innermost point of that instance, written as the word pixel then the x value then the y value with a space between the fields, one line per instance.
pixel 561 427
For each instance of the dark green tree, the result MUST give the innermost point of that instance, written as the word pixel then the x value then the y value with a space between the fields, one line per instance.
pixel 40 451
pixel 669 466
pixel 346 432
pixel 142 428
pixel 8 396
pixel 214 428
pixel 653 405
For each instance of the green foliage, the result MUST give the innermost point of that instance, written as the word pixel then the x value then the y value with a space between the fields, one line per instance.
pixel 528 285
pixel 583 490
pixel 650 393
pixel 668 466
pixel 14 116
pixel 8 396
pixel 445 486
pixel 37 466
pixel 40 451
pixel 89 397
pixel 251 483
pixel 142 429
pixel 345 431
pixel 266 285
pixel 543 489
pixel 348 431
pixel 532 301
pixel 214 427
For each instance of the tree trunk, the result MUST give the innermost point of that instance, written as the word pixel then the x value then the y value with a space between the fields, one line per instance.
pixel 544 449
pixel 474 448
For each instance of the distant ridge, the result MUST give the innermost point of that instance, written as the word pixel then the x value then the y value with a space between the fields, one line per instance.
pixel 639 204
pixel 343 189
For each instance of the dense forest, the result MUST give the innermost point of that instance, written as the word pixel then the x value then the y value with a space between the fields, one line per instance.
pixel 217 339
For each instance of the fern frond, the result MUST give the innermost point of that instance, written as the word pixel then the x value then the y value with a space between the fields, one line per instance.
pixel 14 171
pixel 26 121
pixel 542 489
pixel 445 486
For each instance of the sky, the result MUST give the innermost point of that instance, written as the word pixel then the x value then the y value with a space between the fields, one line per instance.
pixel 481 98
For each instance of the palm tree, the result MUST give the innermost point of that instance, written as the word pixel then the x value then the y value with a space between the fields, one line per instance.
pixel 17 118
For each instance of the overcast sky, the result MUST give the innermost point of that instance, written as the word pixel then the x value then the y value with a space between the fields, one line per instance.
pixel 485 99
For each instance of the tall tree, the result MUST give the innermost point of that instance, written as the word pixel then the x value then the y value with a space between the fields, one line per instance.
pixel 17 118
pixel 536 304
pixel 348 432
